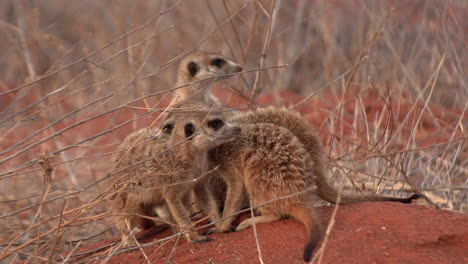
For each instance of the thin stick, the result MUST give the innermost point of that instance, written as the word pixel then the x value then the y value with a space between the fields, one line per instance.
pixel 266 44
pixel 254 228
pixel 331 224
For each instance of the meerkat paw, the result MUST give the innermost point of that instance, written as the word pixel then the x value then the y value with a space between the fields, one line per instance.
pixel 211 231
pixel 129 243
pixel 218 230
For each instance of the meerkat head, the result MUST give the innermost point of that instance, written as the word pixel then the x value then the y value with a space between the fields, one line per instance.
pixel 198 128
pixel 201 65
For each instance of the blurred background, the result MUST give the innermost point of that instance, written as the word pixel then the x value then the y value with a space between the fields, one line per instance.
pixel 384 82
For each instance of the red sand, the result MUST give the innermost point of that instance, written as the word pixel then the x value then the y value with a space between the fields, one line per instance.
pixel 363 233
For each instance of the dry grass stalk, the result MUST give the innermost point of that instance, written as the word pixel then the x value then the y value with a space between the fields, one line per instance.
pixel 388 97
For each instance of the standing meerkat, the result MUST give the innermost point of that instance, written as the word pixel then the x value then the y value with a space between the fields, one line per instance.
pixel 307 135
pixel 268 163
pixel 161 167
pixel 198 71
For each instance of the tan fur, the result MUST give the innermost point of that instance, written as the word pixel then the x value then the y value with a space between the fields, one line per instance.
pixel 159 169
pixel 307 135
pixel 268 162
pixel 206 68
pixel 278 116
pixel 278 154
pixel 199 90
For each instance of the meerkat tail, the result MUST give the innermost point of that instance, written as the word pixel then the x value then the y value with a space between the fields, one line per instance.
pixel 310 219
pixel 330 195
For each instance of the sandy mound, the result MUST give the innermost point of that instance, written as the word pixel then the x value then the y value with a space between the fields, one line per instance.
pixel 363 233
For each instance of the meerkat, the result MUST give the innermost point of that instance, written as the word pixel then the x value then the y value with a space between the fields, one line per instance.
pixel 272 166
pixel 198 71
pixel 305 132
pixel 160 167
pixel 307 135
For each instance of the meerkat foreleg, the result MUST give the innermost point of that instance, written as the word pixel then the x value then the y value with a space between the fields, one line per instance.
pixel 234 200
pixel 182 218
pixel 124 234
pixel 208 202
pixel 127 210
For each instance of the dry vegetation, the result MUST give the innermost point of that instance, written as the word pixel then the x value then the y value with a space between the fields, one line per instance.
pixel 385 82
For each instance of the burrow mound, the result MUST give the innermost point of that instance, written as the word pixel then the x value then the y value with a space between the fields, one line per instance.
pixel 363 233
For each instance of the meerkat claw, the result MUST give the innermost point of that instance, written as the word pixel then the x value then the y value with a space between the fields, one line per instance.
pixel 210 231
pixel 216 230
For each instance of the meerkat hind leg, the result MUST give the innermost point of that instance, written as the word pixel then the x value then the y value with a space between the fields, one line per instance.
pixel 257 220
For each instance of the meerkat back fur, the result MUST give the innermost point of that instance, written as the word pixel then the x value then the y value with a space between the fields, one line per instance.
pixel 160 167
pixel 198 71
pixel 307 135
pixel 268 162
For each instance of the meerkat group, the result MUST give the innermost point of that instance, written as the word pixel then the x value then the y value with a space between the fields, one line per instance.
pixel 164 165
pixel 271 156
pixel 159 168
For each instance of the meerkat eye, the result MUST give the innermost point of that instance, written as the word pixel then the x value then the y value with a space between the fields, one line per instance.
pixel 216 124
pixel 193 68
pixel 218 62
pixel 189 130
pixel 168 128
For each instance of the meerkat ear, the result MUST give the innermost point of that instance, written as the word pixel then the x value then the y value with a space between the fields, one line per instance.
pixel 193 68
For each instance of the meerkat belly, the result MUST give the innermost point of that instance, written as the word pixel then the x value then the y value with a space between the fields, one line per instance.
pixel 277 165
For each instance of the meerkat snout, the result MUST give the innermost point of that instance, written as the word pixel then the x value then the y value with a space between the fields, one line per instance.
pixel 231 131
pixel 217 131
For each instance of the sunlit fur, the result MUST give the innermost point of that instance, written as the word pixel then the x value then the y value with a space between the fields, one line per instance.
pixel 164 167
pixel 201 90
pixel 268 162
pixel 307 135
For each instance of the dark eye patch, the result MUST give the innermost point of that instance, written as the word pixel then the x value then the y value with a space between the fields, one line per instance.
pixel 193 68
pixel 218 62
pixel 216 124
pixel 167 129
pixel 189 130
